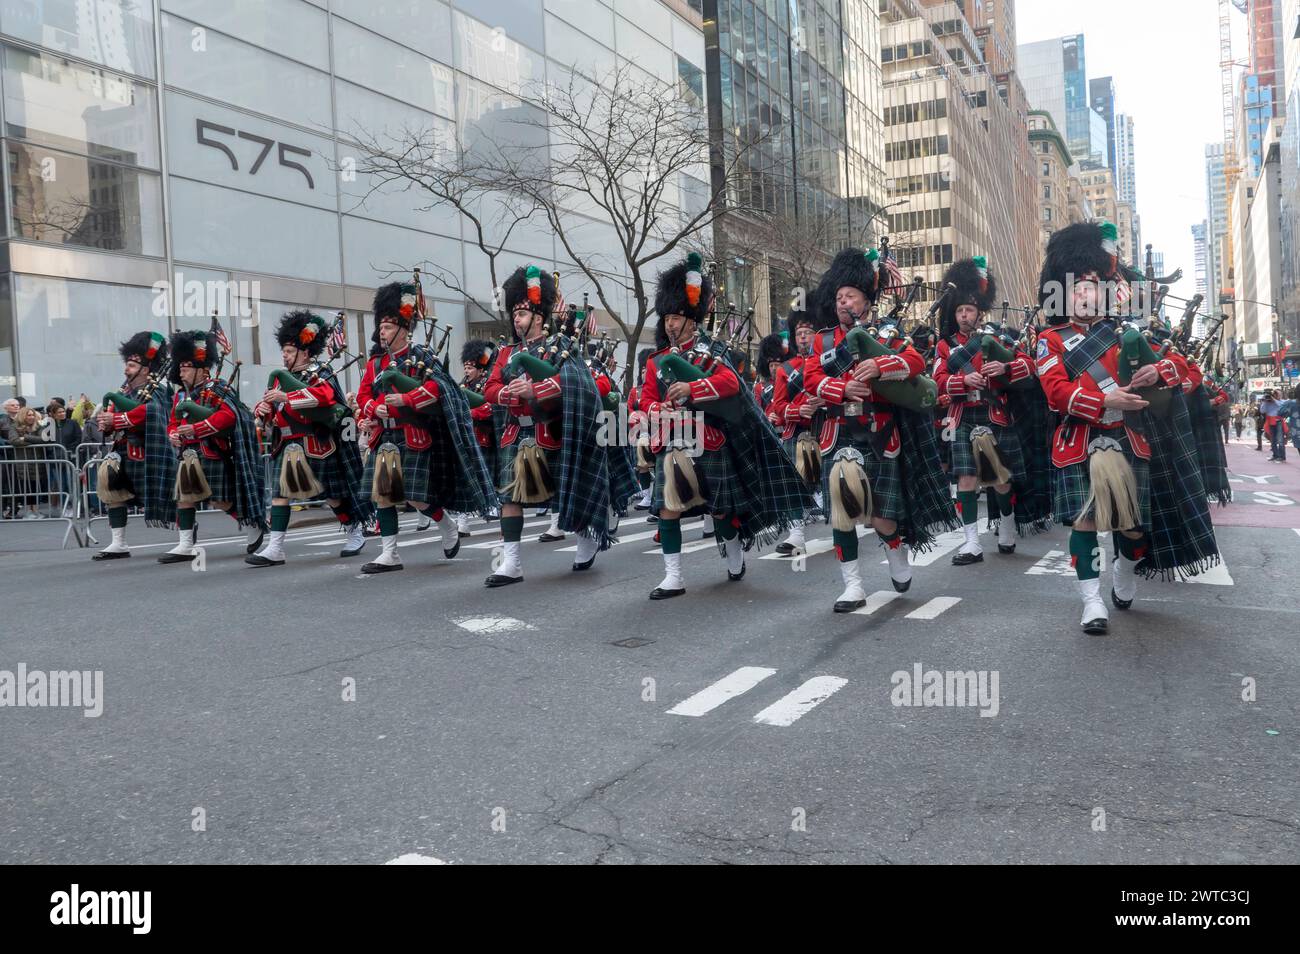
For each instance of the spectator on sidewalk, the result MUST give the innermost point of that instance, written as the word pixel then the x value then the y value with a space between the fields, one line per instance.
pixel 1284 429
pixel 1268 409
pixel 1223 413
pixel 29 473
pixel 1238 419
pixel 10 411
pixel 1257 413
pixel 65 432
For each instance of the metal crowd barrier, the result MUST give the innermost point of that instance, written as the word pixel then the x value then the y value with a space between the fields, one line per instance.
pixel 39 482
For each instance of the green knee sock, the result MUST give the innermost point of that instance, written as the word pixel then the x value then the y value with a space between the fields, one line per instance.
pixel 846 545
pixel 388 521
pixel 279 517
pixel 1084 554
pixel 185 519
pixel 117 517
pixel 512 529
pixel 968 505
pixel 724 527
pixel 670 536
pixel 1132 549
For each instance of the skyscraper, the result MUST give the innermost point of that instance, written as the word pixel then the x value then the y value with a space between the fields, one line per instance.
pixel 1101 93
pixel 1202 252
pixel 1216 206
pixel 1055 77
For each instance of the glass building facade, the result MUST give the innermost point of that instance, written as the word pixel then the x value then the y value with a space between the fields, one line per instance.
pixel 205 145
pixel 802 79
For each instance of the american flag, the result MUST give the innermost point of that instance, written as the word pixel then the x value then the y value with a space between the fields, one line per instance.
pixel 338 340
pixel 894 282
pixel 217 332
pixel 590 329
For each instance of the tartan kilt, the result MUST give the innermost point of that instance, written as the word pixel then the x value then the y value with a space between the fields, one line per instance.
pixel 963 458
pixel 328 470
pixel 882 472
pixel 505 465
pixel 415 468
pixel 134 470
pixel 1071 484
pixel 221 478
pixel 718 482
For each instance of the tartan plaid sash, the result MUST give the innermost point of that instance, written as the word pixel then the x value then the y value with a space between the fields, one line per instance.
pixel 583 483
pixel 1209 446
pixel 458 474
pixel 1181 536
pixel 245 461
pixel 356 502
pixel 1099 339
pixel 159 462
pixel 1034 423
pixel 927 503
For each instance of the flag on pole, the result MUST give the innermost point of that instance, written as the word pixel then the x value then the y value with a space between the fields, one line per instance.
pixel 590 328
pixel 894 282
pixel 217 332
pixel 338 340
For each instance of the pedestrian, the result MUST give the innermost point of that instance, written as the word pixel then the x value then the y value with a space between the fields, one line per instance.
pixel 1294 420
pixel 1238 419
pixel 1223 413
pixel 64 432
pixel 26 436
pixel 1268 409
pixel 1284 427
pixel 1258 416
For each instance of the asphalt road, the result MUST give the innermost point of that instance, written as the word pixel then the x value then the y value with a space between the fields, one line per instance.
pixel 510 726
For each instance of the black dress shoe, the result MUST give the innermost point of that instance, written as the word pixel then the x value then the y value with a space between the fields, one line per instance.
pixel 900 587
pixel 1117 602
pixel 966 559
pixel 652 519
pixel 256 544
pixel 708 535
pixel 1002 548
pixel 786 549
pixel 257 559
pixel 105 555
pixel 462 534
pixel 451 554
pixel 496 579
pixel 549 537
pixel 579 567
pixel 345 552
pixel 737 576
pixel 381 567
pixel 177 558
pixel 1096 627
pixel 848 606
pixel 659 593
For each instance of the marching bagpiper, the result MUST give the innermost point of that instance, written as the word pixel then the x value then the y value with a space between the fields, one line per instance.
pixel 549 452
pixel 305 410
pixel 217 439
pixel 872 447
pixel 736 470
pixel 799 424
pixel 985 446
pixel 476 359
pixel 423 450
pixel 1118 465
pixel 142 466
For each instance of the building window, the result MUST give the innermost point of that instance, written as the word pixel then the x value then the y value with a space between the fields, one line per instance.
pixel 1047 190
pixel 1047 168
pixel 1047 215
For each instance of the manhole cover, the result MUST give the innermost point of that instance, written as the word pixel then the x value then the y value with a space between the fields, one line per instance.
pixel 632 642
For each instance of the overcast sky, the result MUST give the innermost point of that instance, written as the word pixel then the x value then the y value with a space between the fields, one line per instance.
pixel 1164 56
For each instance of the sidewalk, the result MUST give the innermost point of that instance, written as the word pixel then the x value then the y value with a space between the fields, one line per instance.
pixel 1264 494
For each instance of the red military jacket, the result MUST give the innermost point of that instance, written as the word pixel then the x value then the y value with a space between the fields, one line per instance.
pixel 1079 401
pixel 876 414
pixel 128 429
pixel 793 422
pixel 721 383
pixel 953 384
pixel 415 436
pixel 291 424
pixel 209 433
pixel 546 396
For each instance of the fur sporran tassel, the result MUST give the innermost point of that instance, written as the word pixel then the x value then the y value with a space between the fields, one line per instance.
pixel 989 467
pixel 850 495
pixel 191 483
pixel 1114 488
pixel 297 480
pixel 532 478
pixel 112 485
pixel 808 459
pixel 682 489
pixel 644 462
pixel 388 488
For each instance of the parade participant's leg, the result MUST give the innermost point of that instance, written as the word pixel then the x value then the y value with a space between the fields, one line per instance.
pixel 423 520
pixel 968 497
pixel 846 551
pixel 897 553
pixel 1006 518
pixel 670 542
pixel 255 535
pixel 462 525
pixel 734 553
pixel 184 550
pixel 446 526
pixel 1123 584
pixel 356 531
pixel 1086 560
pixel 708 526
pixel 511 569
pixel 273 553
pixel 388 560
pixel 117 550
pixel 553 533
pixel 645 480
pixel 585 557
pixel 795 541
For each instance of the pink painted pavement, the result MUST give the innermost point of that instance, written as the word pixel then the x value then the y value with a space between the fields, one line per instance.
pixel 1264 494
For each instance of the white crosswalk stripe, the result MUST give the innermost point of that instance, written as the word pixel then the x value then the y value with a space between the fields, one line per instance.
pixel 813 548
pixel 877 600
pixel 798 703
pixel 622 538
pixel 933 608
pixel 1053 562
pixel 728 687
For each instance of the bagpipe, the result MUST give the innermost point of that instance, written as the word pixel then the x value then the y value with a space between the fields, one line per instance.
pixel 860 343
pixel 121 403
pixel 994 345
pixel 282 379
pixel 113 487
pixel 702 360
